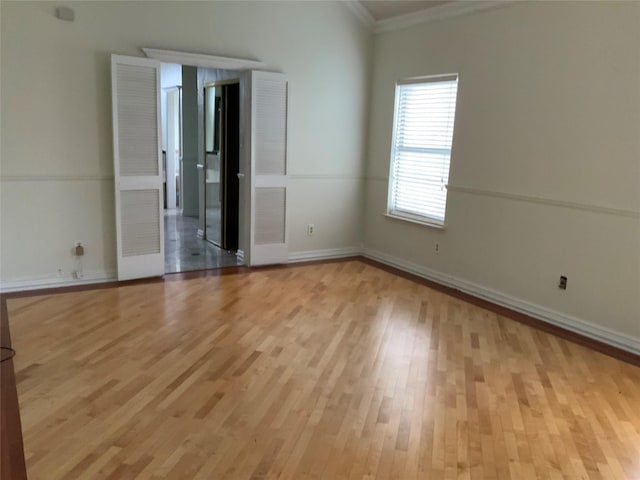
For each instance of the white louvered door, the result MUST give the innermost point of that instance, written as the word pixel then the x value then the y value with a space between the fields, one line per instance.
pixel 269 238
pixel 135 89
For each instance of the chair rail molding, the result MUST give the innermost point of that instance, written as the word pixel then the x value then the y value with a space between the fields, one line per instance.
pixel 56 178
pixel 544 201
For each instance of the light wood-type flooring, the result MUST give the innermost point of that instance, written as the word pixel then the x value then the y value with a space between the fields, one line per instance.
pixel 332 371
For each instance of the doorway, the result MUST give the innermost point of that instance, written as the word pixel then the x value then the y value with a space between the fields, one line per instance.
pixel 138 167
pixel 222 163
pixel 199 236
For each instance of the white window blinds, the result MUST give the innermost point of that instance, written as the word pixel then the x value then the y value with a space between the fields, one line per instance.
pixel 421 148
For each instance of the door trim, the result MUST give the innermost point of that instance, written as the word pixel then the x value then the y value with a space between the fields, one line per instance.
pixel 245 67
pixel 202 60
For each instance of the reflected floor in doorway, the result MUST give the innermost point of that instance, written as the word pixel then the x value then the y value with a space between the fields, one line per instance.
pixel 213 224
pixel 184 251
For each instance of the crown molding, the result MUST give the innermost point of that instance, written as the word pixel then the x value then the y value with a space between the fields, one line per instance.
pixel 451 9
pixel 202 60
pixel 441 12
pixel 361 12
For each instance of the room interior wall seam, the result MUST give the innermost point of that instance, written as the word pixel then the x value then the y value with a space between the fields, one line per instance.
pixel 361 13
pixel 574 324
pixel 366 138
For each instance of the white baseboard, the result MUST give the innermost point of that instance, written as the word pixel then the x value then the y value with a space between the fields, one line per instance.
pixel 100 277
pixel 56 282
pixel 311 255
pixel 552 317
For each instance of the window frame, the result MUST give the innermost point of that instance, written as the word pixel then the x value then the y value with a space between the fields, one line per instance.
pixel 392 212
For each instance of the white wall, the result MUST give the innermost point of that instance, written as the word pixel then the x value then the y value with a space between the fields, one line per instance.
pixel 545 169
pixel 56 152
pixel 545 175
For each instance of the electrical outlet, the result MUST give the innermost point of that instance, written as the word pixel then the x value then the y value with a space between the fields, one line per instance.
pixel 437 249
pixel 60 272
pixel 310 229
pixel 78 250
pixel 562 285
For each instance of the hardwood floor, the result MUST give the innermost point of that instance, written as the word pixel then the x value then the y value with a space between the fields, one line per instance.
pixel 336 371
pixel 12 465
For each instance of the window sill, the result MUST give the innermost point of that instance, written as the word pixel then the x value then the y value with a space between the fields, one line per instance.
pixel 425 222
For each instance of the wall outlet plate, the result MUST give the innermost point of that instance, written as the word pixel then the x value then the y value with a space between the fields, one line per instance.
pixel 562 285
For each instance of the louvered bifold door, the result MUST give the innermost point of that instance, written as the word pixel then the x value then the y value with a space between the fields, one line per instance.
pixel 268 169
pixel 135 89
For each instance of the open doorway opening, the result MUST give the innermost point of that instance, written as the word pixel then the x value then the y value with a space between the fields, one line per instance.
pixel 200 181
pixel 138 166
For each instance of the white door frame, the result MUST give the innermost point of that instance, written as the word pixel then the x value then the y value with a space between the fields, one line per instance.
pixel 244 66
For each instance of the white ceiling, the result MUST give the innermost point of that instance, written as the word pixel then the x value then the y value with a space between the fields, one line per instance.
pixel 384 9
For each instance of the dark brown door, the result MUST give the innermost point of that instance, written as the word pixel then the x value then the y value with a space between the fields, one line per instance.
pixel 230 159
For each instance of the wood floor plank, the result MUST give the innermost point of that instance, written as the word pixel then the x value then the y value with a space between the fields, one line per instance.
pixel 332 371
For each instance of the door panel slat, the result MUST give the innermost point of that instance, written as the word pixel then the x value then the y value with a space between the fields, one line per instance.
pixel 137 166
pixel 269 239
pixel 270 215
pixel 137 113
pixel 140 222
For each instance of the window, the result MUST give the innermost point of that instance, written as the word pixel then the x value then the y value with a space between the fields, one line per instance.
pixel 421 148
